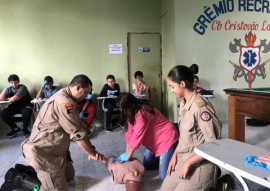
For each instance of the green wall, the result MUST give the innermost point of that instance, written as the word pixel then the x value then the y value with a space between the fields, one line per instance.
pixel 168 57
pixel 63 38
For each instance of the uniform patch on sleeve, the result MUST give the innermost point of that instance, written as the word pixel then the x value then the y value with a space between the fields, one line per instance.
pixel 206 116
pixel 70 108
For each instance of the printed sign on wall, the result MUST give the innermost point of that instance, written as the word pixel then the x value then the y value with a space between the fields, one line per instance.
pixel 115 49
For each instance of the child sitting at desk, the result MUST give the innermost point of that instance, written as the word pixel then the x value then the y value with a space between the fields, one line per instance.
pixel 141 89
pixel 111 88
pixel 199 89
pixel 46 90
pixel 20 99
pixel 87 105
pixel 196 82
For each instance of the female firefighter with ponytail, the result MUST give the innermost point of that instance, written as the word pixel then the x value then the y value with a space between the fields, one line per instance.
pixel 198 124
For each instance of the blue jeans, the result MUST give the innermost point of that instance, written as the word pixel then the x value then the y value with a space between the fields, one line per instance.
pixel 151 162
pixel 109 106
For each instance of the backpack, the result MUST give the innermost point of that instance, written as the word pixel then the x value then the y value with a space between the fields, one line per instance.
pixel 21 177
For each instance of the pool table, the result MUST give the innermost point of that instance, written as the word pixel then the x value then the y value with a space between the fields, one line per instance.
pixel 245 102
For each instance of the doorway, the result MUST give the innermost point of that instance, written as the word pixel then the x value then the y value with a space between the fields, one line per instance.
pixel 144 54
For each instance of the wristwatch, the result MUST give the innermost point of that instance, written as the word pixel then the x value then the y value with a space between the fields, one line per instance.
pixel 93 147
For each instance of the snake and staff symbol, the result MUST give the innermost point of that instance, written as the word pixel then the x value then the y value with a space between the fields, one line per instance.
pixel 250 64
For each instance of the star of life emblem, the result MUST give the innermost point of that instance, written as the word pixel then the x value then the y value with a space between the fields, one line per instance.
pixel 250 64
pixel 250 57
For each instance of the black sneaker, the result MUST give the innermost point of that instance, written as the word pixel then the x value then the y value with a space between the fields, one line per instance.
pixel 26 133
pixel 108 129
pixel 13 132
pixel 115 122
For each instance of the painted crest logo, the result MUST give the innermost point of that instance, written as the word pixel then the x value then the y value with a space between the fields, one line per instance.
pixel 250 64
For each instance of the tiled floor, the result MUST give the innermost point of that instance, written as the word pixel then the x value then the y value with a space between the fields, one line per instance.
pixel 94 176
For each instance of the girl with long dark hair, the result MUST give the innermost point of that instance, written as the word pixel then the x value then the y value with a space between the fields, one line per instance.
pixel 144 124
